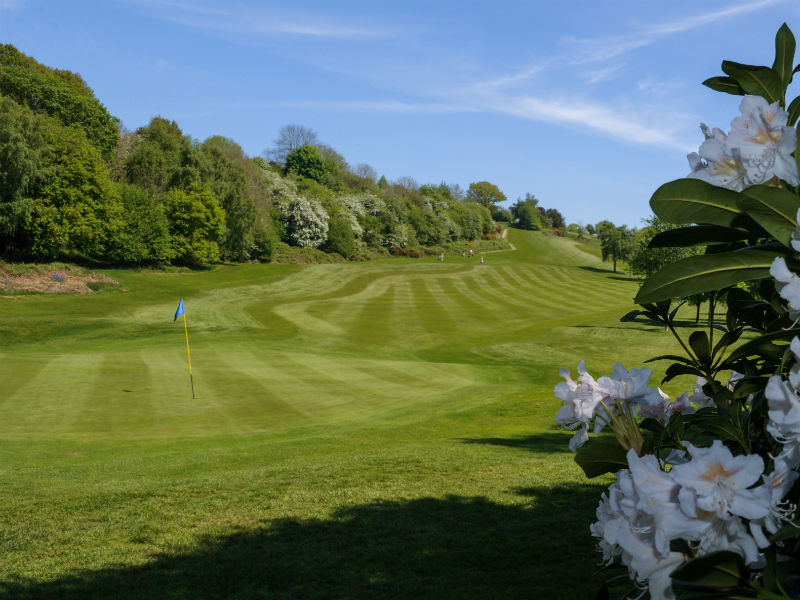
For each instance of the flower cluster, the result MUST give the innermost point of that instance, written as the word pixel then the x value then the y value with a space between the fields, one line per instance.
pixel 615 399
pixel 707 499
pixel 708 502
pixel 757 150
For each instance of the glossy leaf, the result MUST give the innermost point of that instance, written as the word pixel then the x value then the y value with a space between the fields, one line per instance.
pixel 698 342
pixel 794 111
pixel 695 235
pixel 709 420
pixel 775 209
pixel 601 456
pixel 784 54
pixel 676 370
pixel 724 84
pixel 716 570
pixel 705 273
pixel 694 201
pixel 762 344
pixel 755 80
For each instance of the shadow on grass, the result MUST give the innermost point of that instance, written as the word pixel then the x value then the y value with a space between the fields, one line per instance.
pixel 612 274
pixel 556 442
pixel 454 547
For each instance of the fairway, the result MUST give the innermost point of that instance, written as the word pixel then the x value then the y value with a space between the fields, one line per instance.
pixel 378 429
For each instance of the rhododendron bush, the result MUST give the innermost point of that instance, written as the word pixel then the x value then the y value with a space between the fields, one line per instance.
pixel 705 499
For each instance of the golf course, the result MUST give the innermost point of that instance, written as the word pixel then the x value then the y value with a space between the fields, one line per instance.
pixel 381 429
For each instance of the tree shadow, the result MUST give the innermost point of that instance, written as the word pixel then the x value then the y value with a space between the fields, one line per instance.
pixel 555 442
pixel 454 547
pixel 618 275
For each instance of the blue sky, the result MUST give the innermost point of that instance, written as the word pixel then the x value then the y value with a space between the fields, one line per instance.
pixel 588 105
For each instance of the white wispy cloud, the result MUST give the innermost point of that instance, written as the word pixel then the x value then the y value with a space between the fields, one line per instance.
pixel 248 20
pixel 604 74
pixel 597 117
pixel 605 48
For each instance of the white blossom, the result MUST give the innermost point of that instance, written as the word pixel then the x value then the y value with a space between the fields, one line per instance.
pixel 716 481
pixel 764 141
pixel 788 284
pixel 757 150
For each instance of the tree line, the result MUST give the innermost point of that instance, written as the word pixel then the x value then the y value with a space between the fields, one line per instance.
pixel 74 183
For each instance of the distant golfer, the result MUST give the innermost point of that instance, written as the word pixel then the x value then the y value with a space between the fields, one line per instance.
pixel 441 256
pixel 481 260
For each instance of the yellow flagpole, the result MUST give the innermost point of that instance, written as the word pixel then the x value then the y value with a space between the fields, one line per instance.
pixel 188 354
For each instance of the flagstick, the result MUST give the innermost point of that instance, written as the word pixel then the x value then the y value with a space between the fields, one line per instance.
pixel 186 331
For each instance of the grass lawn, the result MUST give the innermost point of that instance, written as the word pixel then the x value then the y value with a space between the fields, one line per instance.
pixel 370 430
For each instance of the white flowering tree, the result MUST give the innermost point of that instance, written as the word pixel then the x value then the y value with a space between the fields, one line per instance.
pixel 306 221
pixel 705 499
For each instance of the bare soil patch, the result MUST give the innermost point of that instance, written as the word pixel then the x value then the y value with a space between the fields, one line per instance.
pixel 52 279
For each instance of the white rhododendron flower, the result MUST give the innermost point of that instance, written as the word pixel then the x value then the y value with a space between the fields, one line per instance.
pixel 788 285
pixel 716 481
pixel 579 399
pixel 716 163
pixel 758 148
pixel 776 485
pixel 603 399
pixel 784 414
pixel 628 532
pixel 764 141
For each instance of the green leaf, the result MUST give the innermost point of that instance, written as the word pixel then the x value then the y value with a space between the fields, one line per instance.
pixel 676 369
pixel 724 84
pixel 698 341
pixel 763 344
pixel 705 273
pixel 694 201
pixel 710 421
pixel 756 80
pixel 675 357
pixel 784 54
pixel 794 111
pixel 784 533
pixel 775 209
pixel 722 569
pixel 601 456
pixel 695 235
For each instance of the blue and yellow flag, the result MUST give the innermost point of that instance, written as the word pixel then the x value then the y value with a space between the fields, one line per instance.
pixel 178 312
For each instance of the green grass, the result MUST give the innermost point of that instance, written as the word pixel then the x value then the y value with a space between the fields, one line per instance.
pixel 370 430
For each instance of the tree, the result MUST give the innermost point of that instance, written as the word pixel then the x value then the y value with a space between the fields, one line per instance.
pixel 407 183
pixel 23 171
pixel 145 234
pixel 290 138
pixel 76 211
pixel 644 261
pixel 485 194
pixel 59 93
pixel 526 212
pixel 306 161
pixel 225 173
pixel 365 172
pixel 196 224
pixel 306 222
pixel 616 243
pixel 340 236
pixel 336 167
pixel 553 218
